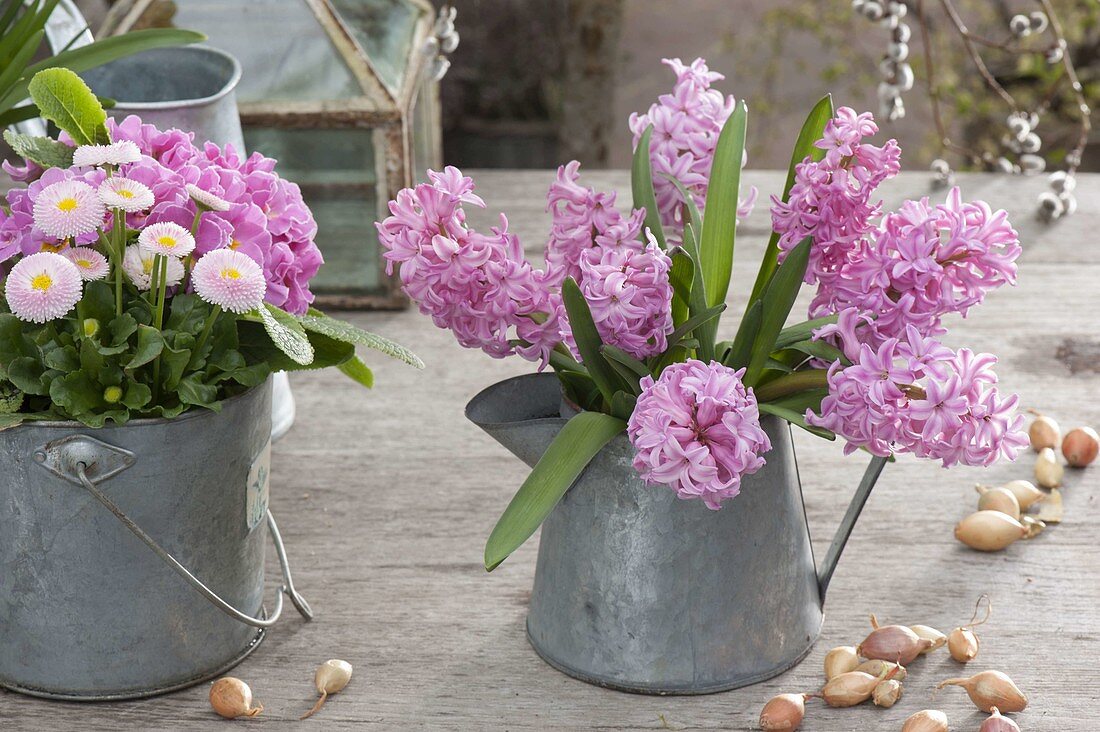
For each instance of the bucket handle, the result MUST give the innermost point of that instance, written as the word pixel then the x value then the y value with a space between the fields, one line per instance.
pixel 74 458
pixel 844 531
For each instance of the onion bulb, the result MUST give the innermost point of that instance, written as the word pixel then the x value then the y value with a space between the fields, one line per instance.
pixel 1000 499
pixel 784 712
pixel 1048 471
pixel 998 723
pixel 935 637
pixel 895 643
pixel 1081 446
pixel 231 698
pixel 840 660
pixel 989 531
pixel 332 676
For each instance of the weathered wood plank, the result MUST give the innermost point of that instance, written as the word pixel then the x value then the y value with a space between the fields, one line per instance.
pixel 386 498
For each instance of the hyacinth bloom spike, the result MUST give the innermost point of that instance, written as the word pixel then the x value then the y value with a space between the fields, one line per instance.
pixel 696 429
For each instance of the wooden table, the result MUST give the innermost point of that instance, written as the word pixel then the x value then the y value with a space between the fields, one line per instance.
pixel 386 498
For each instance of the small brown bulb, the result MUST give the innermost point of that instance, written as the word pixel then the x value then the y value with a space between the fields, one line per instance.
pixel 1043 432
pixel 783 713
pixel 962 644
pixel 1081 446
pixel 840 660
pixel 990 689
pixel 926 720
pixel 232 698
pixel 887 693
pixel 999 723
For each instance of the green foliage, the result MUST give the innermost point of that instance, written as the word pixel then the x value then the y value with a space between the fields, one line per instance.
pixel 44 151
pixel 22 24
pixel 716 241
pixel 64 99
pixel 579 441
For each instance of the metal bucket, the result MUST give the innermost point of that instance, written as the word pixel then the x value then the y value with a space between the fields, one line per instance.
pixel 640 591
pixel 89 612
pixel 187 87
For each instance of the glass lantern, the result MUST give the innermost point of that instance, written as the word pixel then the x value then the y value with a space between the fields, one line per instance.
pixel 345 94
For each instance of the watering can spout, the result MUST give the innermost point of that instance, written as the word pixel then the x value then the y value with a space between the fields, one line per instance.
pixel 522 414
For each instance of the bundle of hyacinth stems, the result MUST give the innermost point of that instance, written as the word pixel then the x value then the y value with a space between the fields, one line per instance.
pixel 626 309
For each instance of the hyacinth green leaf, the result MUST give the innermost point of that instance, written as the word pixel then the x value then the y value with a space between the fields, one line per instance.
pixel 573 448
pixel 30 22
pixel 633 366
pixel 64 99
pixel 818 349
pixel 588 340
pixel 716 243
pixel 18 114
pixel 707 332
pixel 17 65
pixel 681 276
pixel 802 331
pixel 286 333
pixel 691 215
pixel 563 361
pixel 804 147
pixel 622 405
pixel 786 385
pixel 802 400
pixel 101 52
pixel 777 303
pixel 641 184
pixel 696 322
pixel 740 351
pixel 356 370
pixel 318 322
pixel 796 418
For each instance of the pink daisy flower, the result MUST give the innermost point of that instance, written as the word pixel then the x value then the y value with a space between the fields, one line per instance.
pixel 167 238
pixel 68 208
pixel 126 194
pixel 229 279
pixel 43 287
pixel 206 199
pixel 117 153
pixel 91 264
pixel 138 266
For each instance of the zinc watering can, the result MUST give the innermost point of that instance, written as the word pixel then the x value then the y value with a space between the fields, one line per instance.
pixel 640 591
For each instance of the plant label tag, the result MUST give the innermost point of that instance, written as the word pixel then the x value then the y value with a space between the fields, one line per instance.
pixel 256 493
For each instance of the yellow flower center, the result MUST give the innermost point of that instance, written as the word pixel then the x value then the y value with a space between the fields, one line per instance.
pixel 147 265
pixel 55 248
pixel 67 204
pixel 231 273
pixel 234 244
pixel 83 263
pixel 41 282
pixel 123 193
pixel 167 241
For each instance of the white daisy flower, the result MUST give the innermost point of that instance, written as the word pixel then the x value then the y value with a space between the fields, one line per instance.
pixel 166 238
pixel 129 195
pixel 68 208
pixel 230 279
pixel 92 264
pixel 207 199
pixel 117 153
pixel 138 266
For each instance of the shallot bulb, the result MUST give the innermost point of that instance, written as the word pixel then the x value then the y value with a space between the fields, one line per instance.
pixel 1025 491
pixel 840 660
pixel 847 690
pixel 963 643
pixel 332 676
pixel 1000 499
pixel 231 698
pixel 1048 471
pixel 1081 446
pixel 783 712
pixel 895 643
pixel 878 667
pixel 926 720
pixel 999 723
pixel 989 531
pixel 887 693
pixel 1043 432
pixel 990 689
pixel 928 633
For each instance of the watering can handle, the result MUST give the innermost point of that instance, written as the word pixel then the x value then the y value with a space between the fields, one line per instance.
pixel 73 458
pixel 870 477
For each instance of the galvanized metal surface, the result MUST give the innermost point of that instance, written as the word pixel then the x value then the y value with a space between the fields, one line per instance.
pixel 640 591
pixel 189 87
pixel 89 612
